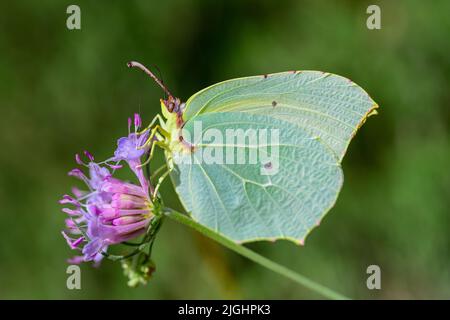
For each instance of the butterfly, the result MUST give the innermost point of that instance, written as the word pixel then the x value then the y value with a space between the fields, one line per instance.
pixel 259 158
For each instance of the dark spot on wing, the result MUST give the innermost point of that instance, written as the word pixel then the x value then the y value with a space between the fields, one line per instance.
pixel 268 165
pixel 274 103
pixel 265 76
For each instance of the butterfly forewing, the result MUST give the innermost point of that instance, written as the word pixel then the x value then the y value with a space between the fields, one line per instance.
pixel 327 106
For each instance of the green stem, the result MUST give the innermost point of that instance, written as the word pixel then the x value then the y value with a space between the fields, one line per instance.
pixel 255 257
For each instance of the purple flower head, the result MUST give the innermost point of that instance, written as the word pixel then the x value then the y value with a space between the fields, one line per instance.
pixel 97 175
pixel 131 148
pixel 112 211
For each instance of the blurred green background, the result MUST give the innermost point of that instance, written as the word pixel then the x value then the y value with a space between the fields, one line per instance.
pixel 64 91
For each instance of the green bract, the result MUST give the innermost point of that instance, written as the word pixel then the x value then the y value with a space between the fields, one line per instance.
pixel 316 114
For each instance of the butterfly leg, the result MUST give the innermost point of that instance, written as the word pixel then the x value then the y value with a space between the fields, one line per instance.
pixel 159 118
pixel 160 181
pixel 160 144
pixel 158 132
pixel 158 171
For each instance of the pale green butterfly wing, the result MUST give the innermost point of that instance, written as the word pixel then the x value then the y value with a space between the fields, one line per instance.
pixel 239 201
pixel 325 105
pixel 316 113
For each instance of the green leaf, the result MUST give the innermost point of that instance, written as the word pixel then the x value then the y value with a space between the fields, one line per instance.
pixel 316 114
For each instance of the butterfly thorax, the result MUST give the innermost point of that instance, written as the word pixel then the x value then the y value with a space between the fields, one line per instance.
pixel 172 110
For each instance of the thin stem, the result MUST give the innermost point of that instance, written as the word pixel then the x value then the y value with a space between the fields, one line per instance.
pixel 255 257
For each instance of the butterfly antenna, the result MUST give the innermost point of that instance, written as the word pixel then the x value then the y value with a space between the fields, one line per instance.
pixel 160 77
pixel 134 64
